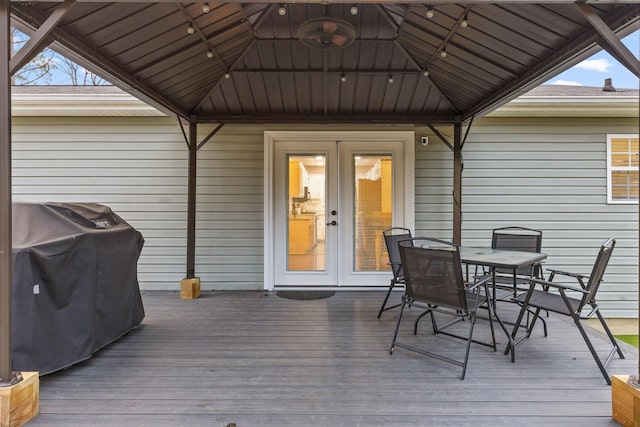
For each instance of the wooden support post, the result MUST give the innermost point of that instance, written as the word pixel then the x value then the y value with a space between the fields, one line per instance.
pixel 19 393
pixel 457 183
pixel 190 288
pixel 19 403
pixel 190 285
pixel 625 400
pixel 191 199
pixel 6 257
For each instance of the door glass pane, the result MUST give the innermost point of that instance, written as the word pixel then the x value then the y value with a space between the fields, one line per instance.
pixel 373 210
pixel 306 213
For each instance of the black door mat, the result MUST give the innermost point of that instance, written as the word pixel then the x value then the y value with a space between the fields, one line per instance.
pixel 305 295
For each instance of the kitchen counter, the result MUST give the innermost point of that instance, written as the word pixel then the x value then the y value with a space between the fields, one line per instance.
pixel 302 233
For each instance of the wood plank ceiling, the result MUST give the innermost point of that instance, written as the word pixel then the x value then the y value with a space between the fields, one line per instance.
pixel 245 62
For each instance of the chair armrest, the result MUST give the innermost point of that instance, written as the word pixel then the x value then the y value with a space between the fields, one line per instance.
pixel 480 280
pixel 556 285
pixel 566 273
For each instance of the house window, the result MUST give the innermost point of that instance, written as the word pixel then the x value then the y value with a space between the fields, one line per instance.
pixel 622 168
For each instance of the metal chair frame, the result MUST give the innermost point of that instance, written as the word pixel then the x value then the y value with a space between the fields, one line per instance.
pixel 391 237
pixel 441 260
pixel 562 303
pixel 517 239
pixel 523 239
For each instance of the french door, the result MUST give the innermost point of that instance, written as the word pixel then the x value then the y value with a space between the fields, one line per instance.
pixel 330 199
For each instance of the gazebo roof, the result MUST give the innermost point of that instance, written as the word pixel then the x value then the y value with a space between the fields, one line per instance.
pixel 320 62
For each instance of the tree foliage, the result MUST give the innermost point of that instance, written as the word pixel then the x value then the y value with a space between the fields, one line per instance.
pixel 49 67
pixel 38 70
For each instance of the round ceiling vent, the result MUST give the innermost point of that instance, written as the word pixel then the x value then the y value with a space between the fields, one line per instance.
pixel 326 33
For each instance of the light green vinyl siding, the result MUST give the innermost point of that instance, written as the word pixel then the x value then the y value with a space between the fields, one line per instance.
pixel 542 173
pixel 229 225
pixel 433 189
pixel 551 175
pixel 138 167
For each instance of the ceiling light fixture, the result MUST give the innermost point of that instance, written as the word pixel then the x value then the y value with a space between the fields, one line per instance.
pixel 429 12
pixel 190 29
pixel 425 72
pixel 443 52
pixel 209 54
pixel 205 8
pixel 343 78
pixel 465 21
pixel 354 10
pixel 227 75
pixel 282 10
pixel 390 80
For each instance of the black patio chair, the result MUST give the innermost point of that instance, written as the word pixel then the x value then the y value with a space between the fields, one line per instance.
pixel 539 298
pixel 434 282
pixel 516 239
pixel 391 237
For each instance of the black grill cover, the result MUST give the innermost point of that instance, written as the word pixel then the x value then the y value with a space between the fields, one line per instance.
pixel 75 283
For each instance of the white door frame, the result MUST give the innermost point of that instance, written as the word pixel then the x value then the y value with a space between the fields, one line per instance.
pixel 271 137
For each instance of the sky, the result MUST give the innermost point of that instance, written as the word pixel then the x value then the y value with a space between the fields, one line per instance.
pixel 594 70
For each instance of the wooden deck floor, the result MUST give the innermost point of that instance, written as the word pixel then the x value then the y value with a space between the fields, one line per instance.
pixel 255 359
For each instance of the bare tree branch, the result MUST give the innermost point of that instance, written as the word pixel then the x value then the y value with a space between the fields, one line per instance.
pixel 38 69
pixel 48 65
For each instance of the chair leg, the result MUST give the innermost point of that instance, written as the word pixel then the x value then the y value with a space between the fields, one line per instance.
pixel 386 298
pixel 493 333
pixel 472 322
pixel 535 319
pixel 609 334
pixel 601 365
pixel 415 325
pixel 395 334
pixel 511 347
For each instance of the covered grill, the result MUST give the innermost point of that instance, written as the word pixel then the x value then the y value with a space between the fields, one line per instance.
pixel 75 286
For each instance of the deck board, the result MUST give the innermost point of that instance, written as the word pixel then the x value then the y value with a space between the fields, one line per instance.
pixel 255 359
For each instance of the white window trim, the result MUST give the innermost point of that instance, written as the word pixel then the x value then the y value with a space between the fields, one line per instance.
pixel 610 199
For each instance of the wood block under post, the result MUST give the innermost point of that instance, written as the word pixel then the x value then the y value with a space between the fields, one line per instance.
pixel 19 403
pixel 625 401
pixel 190 288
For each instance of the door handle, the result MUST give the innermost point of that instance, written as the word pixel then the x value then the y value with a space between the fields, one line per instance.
pixel 332 223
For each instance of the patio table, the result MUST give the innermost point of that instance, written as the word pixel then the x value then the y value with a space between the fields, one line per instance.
pixel 499 258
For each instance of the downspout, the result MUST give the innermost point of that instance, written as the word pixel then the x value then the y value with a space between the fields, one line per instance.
pixel 457 183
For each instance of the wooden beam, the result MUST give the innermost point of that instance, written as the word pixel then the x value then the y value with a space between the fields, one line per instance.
pixel 457 183
pixel 610 41
pixel 327 2
pixel 40 39
pixel 208 137
pixel 396 29
pixel 441 136
pixel 330 118
pixel 6 257
pixel 191 199
pixel 229 69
